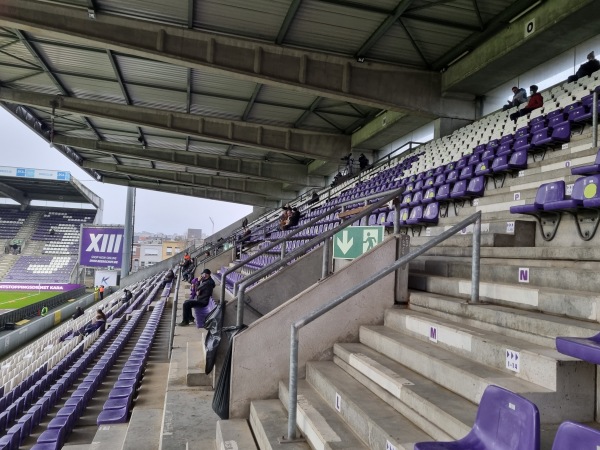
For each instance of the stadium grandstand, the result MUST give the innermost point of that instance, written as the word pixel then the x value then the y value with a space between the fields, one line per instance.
pixel 442 296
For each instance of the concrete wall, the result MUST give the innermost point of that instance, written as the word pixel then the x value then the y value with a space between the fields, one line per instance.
pixel 287 283
pixel 255 377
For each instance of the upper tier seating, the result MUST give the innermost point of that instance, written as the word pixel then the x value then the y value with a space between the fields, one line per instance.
pixel 11 221
pixel 61 230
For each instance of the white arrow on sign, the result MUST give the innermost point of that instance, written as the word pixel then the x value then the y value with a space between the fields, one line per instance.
pixel 344 244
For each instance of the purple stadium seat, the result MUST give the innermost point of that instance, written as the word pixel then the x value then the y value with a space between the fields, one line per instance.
pixel 439 180
pixel 438 171
pixel 406 199
pixel 404 214
pixel 419 185
pixel 522 143
pixel 548 220
pixel 466 173
pixel 459 189
pixel 522 132
pixel 479 149
pixel 452 176
pixel 547 193
pixel 588 169
pixel 431 214
pixel 416 214
pixel 505 148
pixel 488 154
pixel 504 421
pixel 475 158
pixel 571 435
pixel 416 198
pixel 483 168
pixel 461 163
pixel 428 182
pixel 586 349
pixel 492 145
pixel 443 192
pixel 450 167
pixel 507 139
pixel 428 196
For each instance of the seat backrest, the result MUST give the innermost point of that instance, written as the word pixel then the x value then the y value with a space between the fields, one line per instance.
pixel 444 189
pixel 460 187
pixel 416 212
pixel 586 188
pixel 418 196
pixel 404 214
pixel 519 157
pixel 477 185
pixel 508 421
pixel 550 192
pixel 372 219
pixel 431 211
pixel 571 436
pixel 441 179
pixel 429 193
pixel 452 175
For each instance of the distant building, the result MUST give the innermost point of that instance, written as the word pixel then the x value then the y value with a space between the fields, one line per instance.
pixel 135 257
pixel 150 253
pixel 171 248
pixel 194 234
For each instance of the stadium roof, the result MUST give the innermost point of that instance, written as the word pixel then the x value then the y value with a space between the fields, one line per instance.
pixel 24 185
pixel 253 101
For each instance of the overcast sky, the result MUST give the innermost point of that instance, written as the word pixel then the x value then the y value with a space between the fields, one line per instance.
pixel 156 212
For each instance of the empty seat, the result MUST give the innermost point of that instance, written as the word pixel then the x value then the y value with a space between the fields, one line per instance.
pixel 504 421
pixel 571 435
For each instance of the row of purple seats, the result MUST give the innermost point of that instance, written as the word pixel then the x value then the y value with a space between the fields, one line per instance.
pixel 167 290
pixel 24 391
pixel 64 422
pixel 54 388
pixel 551 202
pixel 120 399
pixel 589 169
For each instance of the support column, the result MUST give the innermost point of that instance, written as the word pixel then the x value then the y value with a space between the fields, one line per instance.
pixel 128 238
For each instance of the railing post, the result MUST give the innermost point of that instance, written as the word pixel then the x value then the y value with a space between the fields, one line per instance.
pixel 397 216
pixel 293 387
pixel 283 248
pixel 240 305
pixel 325 267
pixel 475 269
pixel 595 119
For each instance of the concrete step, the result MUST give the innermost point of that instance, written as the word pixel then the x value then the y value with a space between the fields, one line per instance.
pixel 585 257
pixel 196 361
pixel 235 434
pixel 531 326
pixel 536 363
pixel 442 414
pixel 469 378
pixel 374 421
pixel 319 422
pixel 576 304
pixel 543 273
pixel 268 420
pixel 493 234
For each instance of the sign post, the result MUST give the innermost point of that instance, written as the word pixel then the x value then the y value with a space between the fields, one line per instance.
pixel 352 242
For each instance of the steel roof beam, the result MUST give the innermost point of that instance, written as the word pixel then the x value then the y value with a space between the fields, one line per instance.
pixel 289 18
pixel 383 28
pixel 240 185
pixel 255 169
pixel 303 143
pixel 220 195
pixel 15 194
pixel 378 85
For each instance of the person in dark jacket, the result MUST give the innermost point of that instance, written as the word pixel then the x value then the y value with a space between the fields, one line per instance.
pixel 78 313
pixel 98 323
pixel 204 290
pixel 535 101
pixel 587 68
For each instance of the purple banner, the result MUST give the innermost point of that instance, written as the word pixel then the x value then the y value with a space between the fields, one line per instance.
pixel 101 247
pixel 38 287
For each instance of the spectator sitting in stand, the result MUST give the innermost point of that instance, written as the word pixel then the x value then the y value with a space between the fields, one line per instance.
pixel 187 269
pixel 168 278
pixel 204 291
pixel 314 199
pixel 519 97
pixel 586 68
pixel 78 313
pixel 127 295
pixel 336 179
pixel 363 161
pixel 535 101
pixel 98 323
pixel 294 218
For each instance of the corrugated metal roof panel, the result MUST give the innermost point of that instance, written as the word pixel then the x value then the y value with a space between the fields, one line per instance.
pixel 82 87
pixel 172 142
pixel 208 147
pixel 274 115
pixel 19 55
pixel 260 19
pixel 173 11
pixel 9 73
pixel 152 73
pixel 208 83
pixel 157 98
pixel 396 46
pixel 218 107
pixel 384 5
pixel 81 133
pixel 76 60
pixel 434 40
pixel 248 152
pixel 38 83
pixel 115 126
pixel 332 27
pixel 314 122
pixel 282 96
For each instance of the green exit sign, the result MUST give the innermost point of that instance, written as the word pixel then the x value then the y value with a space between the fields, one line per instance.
pixel 352 242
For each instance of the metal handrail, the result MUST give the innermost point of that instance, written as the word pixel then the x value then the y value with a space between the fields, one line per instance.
pixel 174 312
pixel 272 245
pixel 295 327
pixel 310 244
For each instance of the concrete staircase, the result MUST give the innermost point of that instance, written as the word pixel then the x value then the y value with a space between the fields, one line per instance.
pixel 29 247
pixel 421 374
